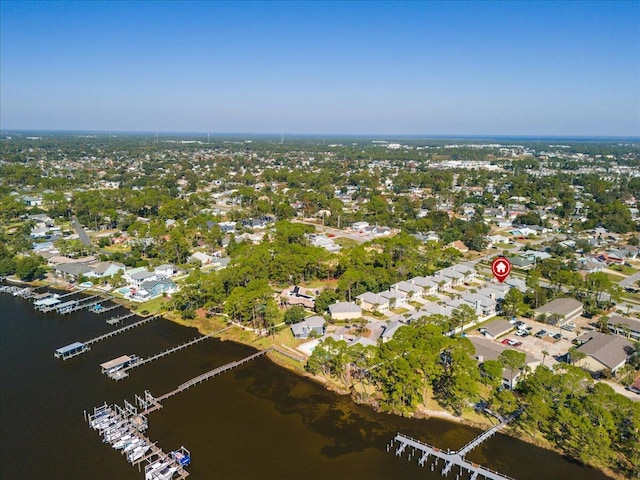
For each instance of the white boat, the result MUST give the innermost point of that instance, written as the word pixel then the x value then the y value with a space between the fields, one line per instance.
pixel 153 468
pixel 165 474
pixel 138 453
pixel 136 443
pixel 122 441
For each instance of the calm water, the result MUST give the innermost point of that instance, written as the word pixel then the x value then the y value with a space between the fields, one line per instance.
pixel 257 421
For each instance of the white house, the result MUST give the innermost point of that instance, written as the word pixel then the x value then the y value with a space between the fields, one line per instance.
pixel 373 302
pixel 344 311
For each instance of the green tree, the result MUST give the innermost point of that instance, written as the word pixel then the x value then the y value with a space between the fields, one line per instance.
pixel 294 314
pixel 29 268
pixel 513 361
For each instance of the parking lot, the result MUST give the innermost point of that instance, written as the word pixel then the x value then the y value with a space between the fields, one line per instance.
pixel 535 346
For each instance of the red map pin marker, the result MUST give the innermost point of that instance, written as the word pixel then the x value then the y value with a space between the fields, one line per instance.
pixel 501 268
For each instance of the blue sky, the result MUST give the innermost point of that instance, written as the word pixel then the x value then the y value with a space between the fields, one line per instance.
pixel 439 68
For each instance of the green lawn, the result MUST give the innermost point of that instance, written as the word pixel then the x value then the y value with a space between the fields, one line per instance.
pixel 345 242
pixel 614 277
pixel 400 310
pixel 624 269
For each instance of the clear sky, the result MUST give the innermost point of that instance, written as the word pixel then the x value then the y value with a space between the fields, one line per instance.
pixel 424 68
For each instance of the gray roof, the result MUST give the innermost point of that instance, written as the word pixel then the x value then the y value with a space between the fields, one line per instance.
pixel 344 307
pixel 308 324
pixel 610 350
pixel 632 324
pixel 74 269
pixel 142 275
pixel 560 306
pixel 498 327
pixel 390 329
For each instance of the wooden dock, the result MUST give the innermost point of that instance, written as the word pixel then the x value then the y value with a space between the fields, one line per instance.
pixel 151 403
pixel 120 319
pixel 98 308
pixel 123 373
pixel 121 330
pixel 87 344
pixel 452 458
pixel 126 423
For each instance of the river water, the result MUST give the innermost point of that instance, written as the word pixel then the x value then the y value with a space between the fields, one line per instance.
pixel 258 421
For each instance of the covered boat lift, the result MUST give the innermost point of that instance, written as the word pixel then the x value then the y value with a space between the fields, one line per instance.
pixel 71 350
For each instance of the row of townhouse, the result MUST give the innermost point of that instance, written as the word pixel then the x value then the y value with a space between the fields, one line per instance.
pixel 418 287
pixel 485 302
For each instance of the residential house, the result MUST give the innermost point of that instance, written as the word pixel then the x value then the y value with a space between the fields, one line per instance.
pixel 312 325
pixel 31 201
pixel 344 311
pixel 496 329
pixel 428 284
pixel 458 245
pixel 373 302
pixel 561 311
pixel 71 271
pixel 136 279
pixel 201 257
pixel 105 269
pixel 396 298
pixel 390 330
pixel 409 288
pixel 154 288
pixel 167 270
pixel 603 352
pixel 624 326
pixel 488 350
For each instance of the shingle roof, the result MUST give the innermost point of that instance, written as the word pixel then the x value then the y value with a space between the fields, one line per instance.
pixel 610 350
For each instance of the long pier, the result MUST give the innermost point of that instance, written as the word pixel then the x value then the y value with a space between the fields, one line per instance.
pixel 116 320
pixel 121 330
pixel 451 458
pixel 122 373
pixel 151 403
pixel 79 348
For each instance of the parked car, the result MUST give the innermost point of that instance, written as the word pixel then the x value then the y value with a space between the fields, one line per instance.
pixel 557 336
pixel 542 334
pixel 507 341
pixel 514 343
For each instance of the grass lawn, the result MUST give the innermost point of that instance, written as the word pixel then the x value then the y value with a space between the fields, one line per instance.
pixel 431 298
pixel 320 284
pixel 399 310
pixel 345 242
pixel 415 305
pixel 614 277
pixel 153 306
pixel 625 270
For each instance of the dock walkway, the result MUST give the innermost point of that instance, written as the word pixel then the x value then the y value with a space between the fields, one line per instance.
pixel 86 346
pixel 116 320
pixel 123 373
pixel 451 458
pixel 121 330
pixel 151 403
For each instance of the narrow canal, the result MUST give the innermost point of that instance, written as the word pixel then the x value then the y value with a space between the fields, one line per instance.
pixel 257 421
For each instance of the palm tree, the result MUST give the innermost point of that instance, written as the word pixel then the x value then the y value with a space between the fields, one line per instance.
pixel 544 355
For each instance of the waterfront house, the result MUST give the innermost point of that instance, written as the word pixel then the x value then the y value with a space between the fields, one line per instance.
pixel 314 325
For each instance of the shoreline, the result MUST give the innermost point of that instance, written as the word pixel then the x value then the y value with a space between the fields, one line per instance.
pixel 207 326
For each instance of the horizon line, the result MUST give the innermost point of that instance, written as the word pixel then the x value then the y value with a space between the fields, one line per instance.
pixel 320 135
